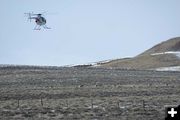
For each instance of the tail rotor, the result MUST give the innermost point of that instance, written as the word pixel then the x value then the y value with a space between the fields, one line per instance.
pixel 29 15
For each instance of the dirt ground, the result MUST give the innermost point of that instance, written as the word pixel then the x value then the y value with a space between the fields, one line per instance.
pixel 82 93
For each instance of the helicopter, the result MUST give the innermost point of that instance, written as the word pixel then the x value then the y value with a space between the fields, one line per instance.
pixel 39 19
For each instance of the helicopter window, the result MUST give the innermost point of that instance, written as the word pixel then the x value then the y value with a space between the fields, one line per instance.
pixel 43 19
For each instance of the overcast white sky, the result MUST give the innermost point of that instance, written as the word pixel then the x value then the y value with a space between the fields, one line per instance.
pixel 84 31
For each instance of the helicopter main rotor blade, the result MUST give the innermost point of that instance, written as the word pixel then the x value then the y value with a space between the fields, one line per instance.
pixel 32 14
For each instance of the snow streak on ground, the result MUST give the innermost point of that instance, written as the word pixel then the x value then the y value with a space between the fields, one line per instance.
pixel 177 53
pixel 93 64
pixel 174 68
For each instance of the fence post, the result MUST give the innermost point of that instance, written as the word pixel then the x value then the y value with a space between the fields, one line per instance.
pixel 92 103
pixel 118 104
pixel 41 102
pixel 18 103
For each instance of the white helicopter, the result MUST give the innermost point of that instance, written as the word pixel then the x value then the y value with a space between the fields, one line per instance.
pixel 39 19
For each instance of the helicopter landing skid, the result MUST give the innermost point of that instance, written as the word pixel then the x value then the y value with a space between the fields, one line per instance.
pixel 39 27
pixel 45 27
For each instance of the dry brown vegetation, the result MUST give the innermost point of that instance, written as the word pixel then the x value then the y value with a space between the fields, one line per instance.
pixel 86 93
pixel 144 62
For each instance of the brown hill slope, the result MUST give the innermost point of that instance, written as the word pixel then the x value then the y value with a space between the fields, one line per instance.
pixel 150 59
pixel 169 45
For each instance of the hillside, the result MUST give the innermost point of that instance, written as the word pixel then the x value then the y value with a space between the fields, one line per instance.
pixel 91 93
pixel 165 54
pixel 169 45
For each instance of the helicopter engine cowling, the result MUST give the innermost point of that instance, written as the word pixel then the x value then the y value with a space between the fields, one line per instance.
pixel 40 21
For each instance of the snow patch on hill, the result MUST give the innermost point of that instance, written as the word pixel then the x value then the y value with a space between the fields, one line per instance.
pixel 173 68
pixel 92 64
pixel 177 53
